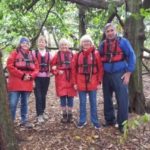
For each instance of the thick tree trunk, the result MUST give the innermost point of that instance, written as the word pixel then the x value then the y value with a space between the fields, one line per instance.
pixel 134 29
pixel 82 23
pixel 146 4
pixel 7 136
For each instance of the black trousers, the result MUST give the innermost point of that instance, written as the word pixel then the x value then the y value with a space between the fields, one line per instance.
pixel 40 91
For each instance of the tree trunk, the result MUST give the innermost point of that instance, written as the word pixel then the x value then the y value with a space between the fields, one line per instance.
pixel 7 136
pixel 134 29
pixel 82 23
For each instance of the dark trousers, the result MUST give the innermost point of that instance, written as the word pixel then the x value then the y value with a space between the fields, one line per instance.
pixel 66 101
pixel 40 91
pixel 112 82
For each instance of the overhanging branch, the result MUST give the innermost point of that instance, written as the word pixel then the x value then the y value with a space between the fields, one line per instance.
pixel 31 5
pixel 146 50
pixel 120 21
pixel 147 69
pixel 96 3
pixel 35 38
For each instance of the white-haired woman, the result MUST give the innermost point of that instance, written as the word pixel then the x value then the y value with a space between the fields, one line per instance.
pixel 61 68
pixel 87 72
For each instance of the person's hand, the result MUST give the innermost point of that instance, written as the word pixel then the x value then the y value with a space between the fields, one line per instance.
pixel 60 71
pixel 75 86
pixel 27 77
pixel 33 84
pixel 98 87
pixel 54 67
pixel 126 78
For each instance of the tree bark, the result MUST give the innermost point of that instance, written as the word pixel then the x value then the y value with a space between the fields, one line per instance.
pixel 7 136
pixel 146 4
pixel 134 29
pixel 82 23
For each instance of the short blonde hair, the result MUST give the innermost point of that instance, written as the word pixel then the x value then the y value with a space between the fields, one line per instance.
pixel 86 37
pixel 64 41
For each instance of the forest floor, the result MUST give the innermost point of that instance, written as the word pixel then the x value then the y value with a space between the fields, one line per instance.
pixel 53 135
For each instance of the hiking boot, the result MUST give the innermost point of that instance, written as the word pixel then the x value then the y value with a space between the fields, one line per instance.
pixel 81 124
pixel 70 118
pixel 26 124
pixel 40 119
pixel 121 129
pixel 64 118
pixel 109 124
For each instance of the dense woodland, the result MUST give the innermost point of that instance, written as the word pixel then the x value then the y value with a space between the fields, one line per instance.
pixel 72 19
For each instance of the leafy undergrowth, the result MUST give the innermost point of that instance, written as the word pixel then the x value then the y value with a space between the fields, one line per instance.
pixel 53 135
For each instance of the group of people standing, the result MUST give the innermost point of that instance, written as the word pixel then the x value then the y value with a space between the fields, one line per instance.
pixel 75 73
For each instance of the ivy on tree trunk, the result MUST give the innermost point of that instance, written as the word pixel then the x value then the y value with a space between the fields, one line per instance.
pixel 134 30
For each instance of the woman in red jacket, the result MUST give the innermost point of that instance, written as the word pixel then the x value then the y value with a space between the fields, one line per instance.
pixel 61 68
pixel 22 68
pixel 87 75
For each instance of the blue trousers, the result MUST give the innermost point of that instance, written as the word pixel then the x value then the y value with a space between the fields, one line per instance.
pixel 66 101
pixel 112 82
pixel 14 98
pixel 93 106
pixel 40 91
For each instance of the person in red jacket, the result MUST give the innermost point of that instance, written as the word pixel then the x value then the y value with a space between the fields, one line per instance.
pixel 22 68
pixel 87 75
pixel 61 68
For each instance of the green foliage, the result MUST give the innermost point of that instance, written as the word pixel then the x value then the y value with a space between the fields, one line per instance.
pixel 145 12
pixel 133 124
pixel 18 18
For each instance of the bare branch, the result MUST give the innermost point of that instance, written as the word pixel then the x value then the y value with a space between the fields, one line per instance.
pixel 146 50
pixel 32 4
pixel 146 57
pixel 35 38
pixel 96 3
pixel 147 69
pixel 54 36
pixel 120 21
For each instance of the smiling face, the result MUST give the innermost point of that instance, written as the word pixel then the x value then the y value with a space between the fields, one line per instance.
pixel 41 44
pixel 64 46
pixel 110 33
pixel 25 45
pixel 86 44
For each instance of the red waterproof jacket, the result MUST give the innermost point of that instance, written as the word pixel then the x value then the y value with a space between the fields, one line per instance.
pixel 63 82
pixel 15 79
pixel 87 70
